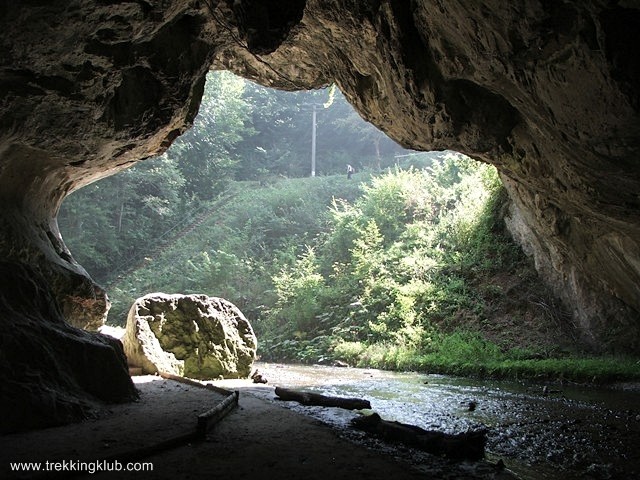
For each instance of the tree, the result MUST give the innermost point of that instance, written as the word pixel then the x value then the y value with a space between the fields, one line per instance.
pixel 111 223
pixel 207 154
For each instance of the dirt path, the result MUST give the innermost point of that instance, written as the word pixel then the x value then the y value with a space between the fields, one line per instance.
pixel 259 439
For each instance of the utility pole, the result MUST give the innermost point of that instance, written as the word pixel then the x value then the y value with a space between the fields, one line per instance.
pixel 314 115
pixel 313 141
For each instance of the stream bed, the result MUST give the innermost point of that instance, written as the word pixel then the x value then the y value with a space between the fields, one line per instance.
pixel 539 431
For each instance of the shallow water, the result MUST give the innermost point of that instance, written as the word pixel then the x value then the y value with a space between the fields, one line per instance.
pixel 569 432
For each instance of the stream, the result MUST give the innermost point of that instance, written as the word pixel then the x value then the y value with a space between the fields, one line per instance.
pixel 561 431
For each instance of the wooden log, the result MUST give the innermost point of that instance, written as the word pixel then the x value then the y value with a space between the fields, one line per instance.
pixel 317 399
pixel 211 417
pixel 195 383
pixel 462 446
pixel 204 422
pixel 215 414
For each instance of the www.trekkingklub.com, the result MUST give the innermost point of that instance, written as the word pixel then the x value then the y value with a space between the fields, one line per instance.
pixel 79 466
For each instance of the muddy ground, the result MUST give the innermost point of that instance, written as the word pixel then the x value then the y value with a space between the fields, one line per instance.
pixel 261 438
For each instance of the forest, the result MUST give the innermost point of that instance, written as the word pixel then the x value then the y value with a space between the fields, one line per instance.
pixel 404 265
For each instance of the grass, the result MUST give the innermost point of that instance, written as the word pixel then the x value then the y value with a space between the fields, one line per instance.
pixel 467 354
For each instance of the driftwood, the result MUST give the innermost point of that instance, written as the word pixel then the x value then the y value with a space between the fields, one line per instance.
pixel 214 415
pixel 308 398
pixel 258 378
pixel 463 446
pixel 195 383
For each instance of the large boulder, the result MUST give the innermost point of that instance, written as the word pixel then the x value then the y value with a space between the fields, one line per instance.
pixel 192 335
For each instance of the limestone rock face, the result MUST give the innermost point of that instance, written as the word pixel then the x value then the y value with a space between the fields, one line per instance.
pixel 547 91
pixel 191 335
pixel 82 367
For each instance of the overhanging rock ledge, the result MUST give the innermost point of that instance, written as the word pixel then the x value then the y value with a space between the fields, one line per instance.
pixel 546 91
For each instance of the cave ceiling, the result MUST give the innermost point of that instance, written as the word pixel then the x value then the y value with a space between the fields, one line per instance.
pixel 547 91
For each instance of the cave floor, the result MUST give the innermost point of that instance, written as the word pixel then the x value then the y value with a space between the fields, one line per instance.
pixel 258 439
pixel 166 409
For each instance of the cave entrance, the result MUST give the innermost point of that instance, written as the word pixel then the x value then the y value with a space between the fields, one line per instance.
pixel 245 136
pixel 254 204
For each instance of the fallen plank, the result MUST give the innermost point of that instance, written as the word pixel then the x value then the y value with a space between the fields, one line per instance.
pixel 195 383
pixel 215 414
pixel 462 446
pixel 211 417
pixel 317 399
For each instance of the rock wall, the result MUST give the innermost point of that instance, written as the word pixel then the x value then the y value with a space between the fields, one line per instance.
pixel 547 91
pixel 87 88
pixel 52 373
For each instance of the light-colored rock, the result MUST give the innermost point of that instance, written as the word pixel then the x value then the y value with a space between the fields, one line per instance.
pixel 112 331
pixel 192 335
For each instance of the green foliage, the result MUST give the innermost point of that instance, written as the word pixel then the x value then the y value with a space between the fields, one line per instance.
pixel 468 354
pixel 242 132
pixel 111 223
pixel 406 268
pixel 282 122
pixel 244 238
pixel 401 280
pixel 207 154
pixel 382 273
pixel 297 289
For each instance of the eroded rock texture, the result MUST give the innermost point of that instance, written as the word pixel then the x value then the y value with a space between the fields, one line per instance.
pixel 548 91
pixel 196 336
pixel 52 373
